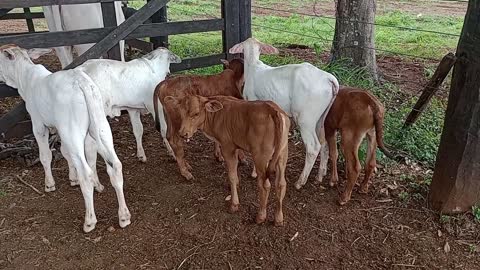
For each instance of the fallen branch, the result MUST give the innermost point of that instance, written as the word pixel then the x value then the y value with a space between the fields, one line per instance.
pixel 28 185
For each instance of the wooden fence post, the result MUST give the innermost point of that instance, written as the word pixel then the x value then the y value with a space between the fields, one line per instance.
pixel 456 179
pixel 28 15
pixel 231 33
pixel 432 86
pixel 245 19
pixel 159 17
pixel 110 20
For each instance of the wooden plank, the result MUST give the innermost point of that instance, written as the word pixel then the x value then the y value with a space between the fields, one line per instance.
pixel 110 20
pixel 7 91
pixel 198 62
pixel 231 33
pixel 19 130
pixel 438 77
pixel 38 3
pixel 4 11
pixel 30 26
pixel 119 33
pixel 140 44
pixel 68 38
pixel 14 116
pixel 456 179
pixel 245 19
pixel 159 17
pixel 22 16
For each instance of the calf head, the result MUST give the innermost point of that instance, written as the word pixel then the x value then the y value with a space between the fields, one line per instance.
pixel 237 66
pixel 253 48
pixel 12 58
pixel 193 111
pixel 163 54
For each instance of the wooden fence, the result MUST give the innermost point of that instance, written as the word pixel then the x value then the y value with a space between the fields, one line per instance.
pixel 235 24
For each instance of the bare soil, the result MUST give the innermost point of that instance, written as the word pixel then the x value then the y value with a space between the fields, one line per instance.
pixel 176 221
pixel 179 224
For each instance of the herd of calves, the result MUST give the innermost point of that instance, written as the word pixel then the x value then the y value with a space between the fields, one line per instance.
pixel 245 108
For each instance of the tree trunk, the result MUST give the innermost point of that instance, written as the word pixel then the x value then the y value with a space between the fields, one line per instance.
pixel 456 180
pixel 354 35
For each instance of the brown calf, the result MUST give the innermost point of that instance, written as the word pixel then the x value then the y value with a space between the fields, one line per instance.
pixel 227 83
pixel 258 127
pixel 355 113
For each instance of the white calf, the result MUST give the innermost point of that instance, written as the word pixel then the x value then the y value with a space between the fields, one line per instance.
pixel 78 17
pixel 303 91
pixel 69 102
pixel 130 85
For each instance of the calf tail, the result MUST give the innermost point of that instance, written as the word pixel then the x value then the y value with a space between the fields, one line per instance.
pixel 99 128
pixel 335 89
pixel 156 99
pixel 378 115
pixel 278 119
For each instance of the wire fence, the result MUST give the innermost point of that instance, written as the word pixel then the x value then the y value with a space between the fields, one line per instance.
pixel 319 37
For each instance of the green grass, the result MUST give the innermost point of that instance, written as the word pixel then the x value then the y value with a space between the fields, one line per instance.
pixel 476 212
pixel 2 193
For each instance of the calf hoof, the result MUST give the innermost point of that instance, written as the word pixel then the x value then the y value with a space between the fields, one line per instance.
pixel 343 201
pixel 188 176
pixel 234 208
pixel 88 227
pixel 74 183
pixel 332 183
pixel 261 218
pixel 279 223
pixel 142 159
pixel 363 189
pixel 99 188
pixel 298 185
pixel 244 161
pixel 319 179
pixel 254 174
pixel 219 158
pixel 50 189
pixel 124 218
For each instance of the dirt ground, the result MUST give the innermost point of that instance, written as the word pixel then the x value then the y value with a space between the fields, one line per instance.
pixel 179 224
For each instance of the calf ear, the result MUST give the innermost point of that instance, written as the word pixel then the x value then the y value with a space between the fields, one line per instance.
pixel 173 58
pixel 213 106
pixel 237 48
pixel 268 49
pixel 225 63
pixel 8 53
pixel 36 53
pixel 171 99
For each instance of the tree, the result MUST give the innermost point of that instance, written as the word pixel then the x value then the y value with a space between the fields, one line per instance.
pixel 354 36
pixel 456 180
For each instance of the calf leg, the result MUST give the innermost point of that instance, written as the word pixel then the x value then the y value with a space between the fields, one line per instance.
pixel 41 135
pixel 232 165
pixel 370 162
pixel 263 184
pixel 138 132
pixel 280 187
pixel 322 170
pixel 72 172
pixel 91 155
pixel 177 145
pixel 75 146
pixel 350 145
pixel 218 152
pixel 333 153
pixel 312 147
pixel 114 170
